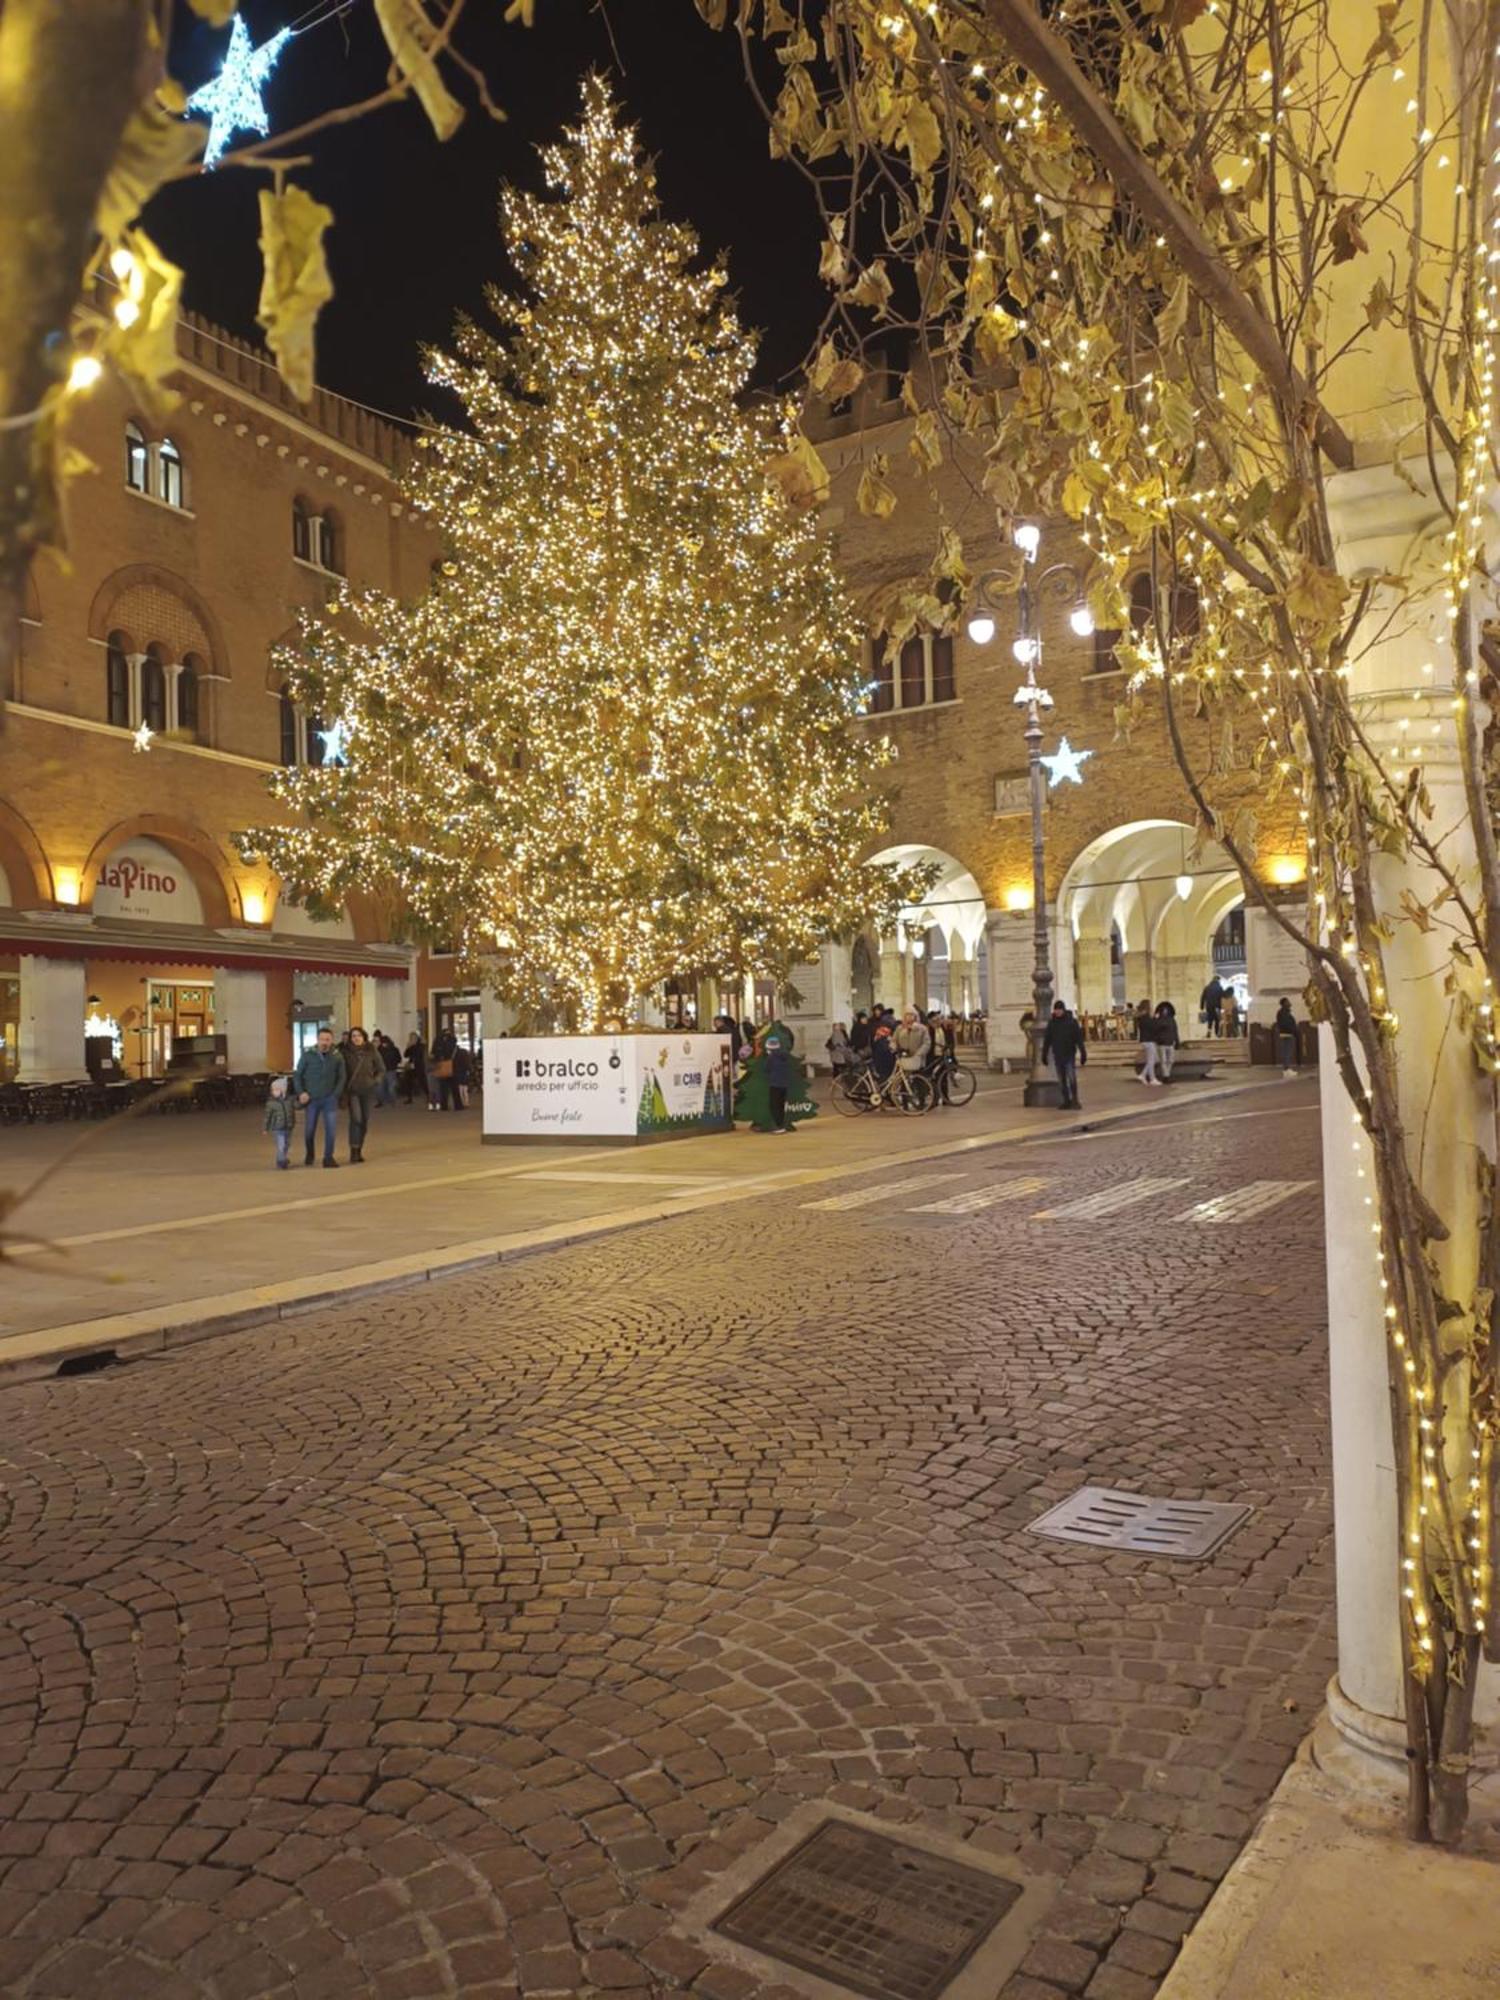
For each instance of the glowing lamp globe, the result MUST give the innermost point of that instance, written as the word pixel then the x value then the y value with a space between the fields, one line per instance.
pixel 1184 886
pixel 1028 539
pixel 1025 650
pixel 1082 621
pixel 981 628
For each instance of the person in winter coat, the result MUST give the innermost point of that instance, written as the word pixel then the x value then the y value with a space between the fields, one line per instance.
pixel 1211 1003
pixel 882 1051
pixel 463 1071
pixel 281 1119
pixel 840 1050
pixel 1146 1027
pixel 319 1081
pixel 913 1043
pixel 1286 1038
pixel 776 1048
pixel 361 1086
pixel 440 1071
pixel 1167 1037
pixel 415 1061
pixel 1065 1046
pixel 390 1058
pixel 859 1035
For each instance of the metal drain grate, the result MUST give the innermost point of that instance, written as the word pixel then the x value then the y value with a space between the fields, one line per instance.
pixel 871 1914
pixel 1103 1518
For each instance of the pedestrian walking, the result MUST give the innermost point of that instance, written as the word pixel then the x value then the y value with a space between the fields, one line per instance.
pixel 320 1078
pixel 415 1064
pixel 1167 1037
pixel 776 1048
pixel 281 1119
pixel 1066 1047
pixel 1231 1014
pixel 366 1073
pixel 1142 1014
pixel 1146 1033
pixel 840 1049
pixel 463 1071
pixel 390 1063
pixel 440 1071
pixel 942 1054
pixel 1211 1004
pixel 1286 1038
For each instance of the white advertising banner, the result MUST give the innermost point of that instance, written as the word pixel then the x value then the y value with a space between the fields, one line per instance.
pixel 607 1086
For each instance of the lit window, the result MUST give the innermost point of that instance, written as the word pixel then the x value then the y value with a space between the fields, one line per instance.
pixel 137 460
pixel 169 473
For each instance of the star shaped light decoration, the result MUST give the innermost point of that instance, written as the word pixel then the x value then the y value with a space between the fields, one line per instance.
pixel 335 741
pixel 233 100
pixel 1065 767
pixel 143 736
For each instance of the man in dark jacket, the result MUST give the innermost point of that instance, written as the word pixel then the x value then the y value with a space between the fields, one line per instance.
pixel 1064 1046
pixel 1211 1004
pixel 776 1047
pixel 319 1083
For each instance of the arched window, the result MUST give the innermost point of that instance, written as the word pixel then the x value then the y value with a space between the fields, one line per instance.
pixel 169 473
pixel 189 687
pixel 316 747
pixel 117 680
pixel 302 537
pixel 1182 620
pixel 154 688
pixel 137 460
pixel 289 730
pixel 332 554
pixel 918 674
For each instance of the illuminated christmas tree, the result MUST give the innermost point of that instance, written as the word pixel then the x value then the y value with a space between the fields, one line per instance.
pixel 612 743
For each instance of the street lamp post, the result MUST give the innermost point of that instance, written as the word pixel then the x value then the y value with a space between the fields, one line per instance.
pixel 1034 699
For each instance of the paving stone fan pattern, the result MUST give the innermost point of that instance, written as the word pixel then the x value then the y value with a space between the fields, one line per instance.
pixel 449 1644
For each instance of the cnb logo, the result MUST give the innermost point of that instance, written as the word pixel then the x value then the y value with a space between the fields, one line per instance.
pixel 523 1068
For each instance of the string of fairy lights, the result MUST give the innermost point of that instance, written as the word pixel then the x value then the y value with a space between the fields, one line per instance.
pixel 1227 650
pixel 615 729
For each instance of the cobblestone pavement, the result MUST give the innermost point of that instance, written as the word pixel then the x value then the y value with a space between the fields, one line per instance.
pixel 449 1644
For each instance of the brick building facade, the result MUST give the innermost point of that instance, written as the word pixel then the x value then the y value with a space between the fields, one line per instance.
pixel 1135 911
pixel 195 542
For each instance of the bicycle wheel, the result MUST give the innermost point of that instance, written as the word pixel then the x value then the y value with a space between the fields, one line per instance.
pixel 962 1084
pixel 850 1098
pixel 915 1093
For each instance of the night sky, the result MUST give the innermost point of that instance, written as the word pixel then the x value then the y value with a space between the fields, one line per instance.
pixel 415 235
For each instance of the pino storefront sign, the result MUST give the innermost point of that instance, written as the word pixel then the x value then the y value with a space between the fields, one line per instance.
pixel 607 1086
pixel 145 880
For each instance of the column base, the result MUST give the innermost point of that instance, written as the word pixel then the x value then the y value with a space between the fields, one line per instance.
pixel 1366 1752
pixel 1039 1092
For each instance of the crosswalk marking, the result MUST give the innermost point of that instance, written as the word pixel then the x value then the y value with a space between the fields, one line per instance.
pixel 1252 1199
pixel 863 1197
pixel 1110 1200
pixel 973 1199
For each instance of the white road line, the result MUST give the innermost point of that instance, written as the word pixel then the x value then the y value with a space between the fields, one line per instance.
pixel 1110 1200
pixel 1254 1198
pixel 864 1197
pixel 604 1176
pixel 974 1199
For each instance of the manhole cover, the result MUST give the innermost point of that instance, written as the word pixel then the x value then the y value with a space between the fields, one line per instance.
pixel 870 1913
pixel 1103 1518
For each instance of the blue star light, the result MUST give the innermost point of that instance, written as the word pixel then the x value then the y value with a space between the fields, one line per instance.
pixel 233 99
pixel 1066 767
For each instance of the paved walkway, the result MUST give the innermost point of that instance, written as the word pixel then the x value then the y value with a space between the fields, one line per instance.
pixel 452 1643
pixel 158 1211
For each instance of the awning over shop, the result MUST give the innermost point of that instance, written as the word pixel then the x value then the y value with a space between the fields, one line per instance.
pixel 59 934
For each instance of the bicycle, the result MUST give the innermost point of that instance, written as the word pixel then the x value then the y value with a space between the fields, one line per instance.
pixel 952 1082
pixel 861 1090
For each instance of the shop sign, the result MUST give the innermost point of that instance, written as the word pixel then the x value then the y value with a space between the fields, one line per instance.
pixel 144 880
pixel 606 1086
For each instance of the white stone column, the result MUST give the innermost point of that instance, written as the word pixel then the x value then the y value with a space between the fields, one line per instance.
pixel 1446 1113
pixel 1094 994
pixel 1009 939
pixel 893 984
pixel 54 997
pixel 1274 965
pixel 240 1015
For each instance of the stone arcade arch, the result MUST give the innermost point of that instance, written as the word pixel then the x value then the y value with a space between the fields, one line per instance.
pixel 1143 882
pixel 934 956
